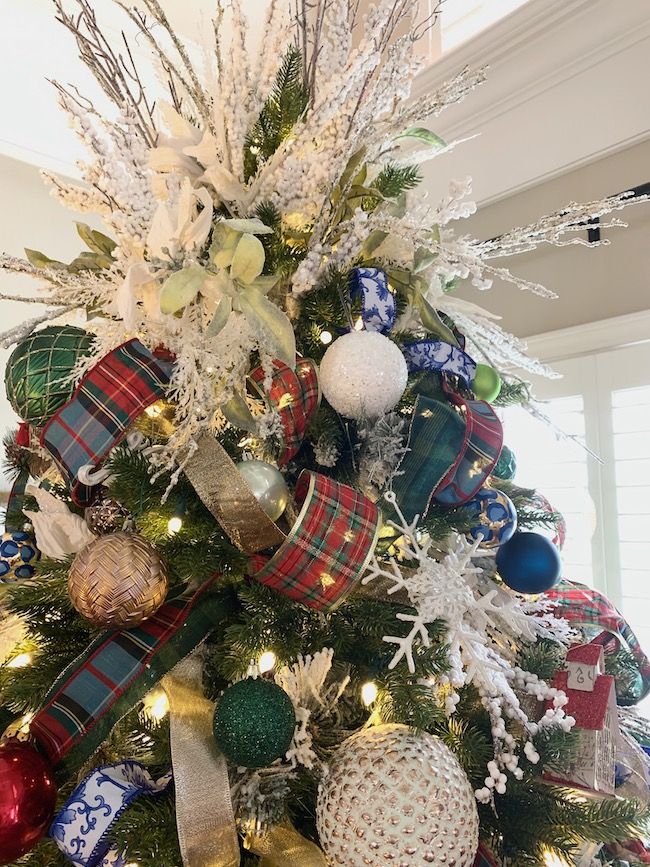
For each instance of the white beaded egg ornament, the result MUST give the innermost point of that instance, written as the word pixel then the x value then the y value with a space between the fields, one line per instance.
pixel 394 795
pixel 363 374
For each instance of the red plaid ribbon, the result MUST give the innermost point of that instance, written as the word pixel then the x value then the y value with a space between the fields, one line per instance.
pixel 479 453
pixel 328 548
pixel 295 396
pixel 105 404
pixel 588 608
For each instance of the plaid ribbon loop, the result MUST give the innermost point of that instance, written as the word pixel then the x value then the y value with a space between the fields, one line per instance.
pixel 587 608
pixel 294 396
pixel 328 548
pixel 114 673
pixel 105 404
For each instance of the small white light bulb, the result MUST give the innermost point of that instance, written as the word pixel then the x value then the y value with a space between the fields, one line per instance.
pixel 20 661
pixel 326 337
pixel 369 693
pixel 174 525
pixel 153 411
pixel 267 661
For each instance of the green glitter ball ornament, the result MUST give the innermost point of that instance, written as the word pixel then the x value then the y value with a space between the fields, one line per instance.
pixel 506 466
pixel 254 723
pixel 487 383
pixel 37 378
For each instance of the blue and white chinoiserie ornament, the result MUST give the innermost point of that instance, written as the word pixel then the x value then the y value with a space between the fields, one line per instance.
pixel 18 556
pixel 493 517
pixel 529 563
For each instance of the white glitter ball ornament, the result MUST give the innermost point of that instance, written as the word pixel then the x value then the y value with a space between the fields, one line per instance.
pixel 396 796
pixel 363 374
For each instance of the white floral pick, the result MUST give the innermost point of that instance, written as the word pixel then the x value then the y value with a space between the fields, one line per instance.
pixel 59 532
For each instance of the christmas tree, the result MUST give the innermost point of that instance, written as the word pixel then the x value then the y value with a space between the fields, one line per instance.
pixel 280 600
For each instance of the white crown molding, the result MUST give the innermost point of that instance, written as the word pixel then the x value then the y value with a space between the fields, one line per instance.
pixel 566 84
pixel 600 336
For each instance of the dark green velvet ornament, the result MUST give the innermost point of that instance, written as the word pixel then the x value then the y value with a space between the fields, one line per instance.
pixel 506 467
pixel 37 377
pixel 254 723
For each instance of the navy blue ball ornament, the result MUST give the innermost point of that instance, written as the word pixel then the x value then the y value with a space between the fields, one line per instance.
pixel 529 563
pixel 506 467
pixel 493 518
pixel 18 557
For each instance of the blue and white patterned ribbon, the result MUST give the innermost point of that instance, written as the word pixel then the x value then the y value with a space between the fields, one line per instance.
pixel 370 285
pixel 439 356
pixel 81 829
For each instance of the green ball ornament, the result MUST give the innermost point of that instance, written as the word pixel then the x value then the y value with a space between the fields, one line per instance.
pixel 487 383
pixel 37 378
pixel 506 467
pixel 254 723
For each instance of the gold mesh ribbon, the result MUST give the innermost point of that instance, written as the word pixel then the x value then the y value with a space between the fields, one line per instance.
pixel 283 846
pixel 225 493
pixel 204 815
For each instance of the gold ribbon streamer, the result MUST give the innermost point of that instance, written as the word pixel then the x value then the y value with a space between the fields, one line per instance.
pixel 204 815
pixel 225 493
pixel 283 846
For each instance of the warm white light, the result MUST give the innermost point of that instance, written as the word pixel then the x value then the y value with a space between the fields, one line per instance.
pixel 369 693
pixel 552 860
pixel 155 705
pixel 20 661
pixel 153 411
pixel 174 525
pixel 326 337
pixel 358 325
pixel 267 661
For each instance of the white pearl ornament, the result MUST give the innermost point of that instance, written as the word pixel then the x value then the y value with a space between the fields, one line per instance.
pixel 396 796
pixel 363 375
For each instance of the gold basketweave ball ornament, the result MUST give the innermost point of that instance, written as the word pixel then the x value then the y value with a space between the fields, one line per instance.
pixel 118 581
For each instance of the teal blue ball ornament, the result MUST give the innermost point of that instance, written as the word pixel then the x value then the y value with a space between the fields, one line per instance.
pixel 254 723
pixel 487 383
pixel 18 556
pixel 493 518
pixel 506 467
pixel 529 563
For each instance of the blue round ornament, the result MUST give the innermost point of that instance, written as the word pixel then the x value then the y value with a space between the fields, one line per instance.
pixel 506 467
pixel 493 517
pixel 18 556
pixel 529 563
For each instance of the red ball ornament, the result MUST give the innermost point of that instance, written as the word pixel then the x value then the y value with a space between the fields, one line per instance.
pixel 27 798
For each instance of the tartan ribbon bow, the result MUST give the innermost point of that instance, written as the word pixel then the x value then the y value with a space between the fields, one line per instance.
pixel 294 395
pixel 105 404
pixel 586 607
pixel 329 547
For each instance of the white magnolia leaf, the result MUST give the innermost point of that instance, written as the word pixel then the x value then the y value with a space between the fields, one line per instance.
pixel 221 316
pixel 272 327
pixel 195 232
pixel 177 126
pixel 423 134
pixel 167 159
pixel 227 187
pixel 223 246
pixel 238 414
pixel 59 532
pixel 181 288
pixel 162 233
pixel 253 226
pixel 265 283
pixel 248 260
pixel 205 152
